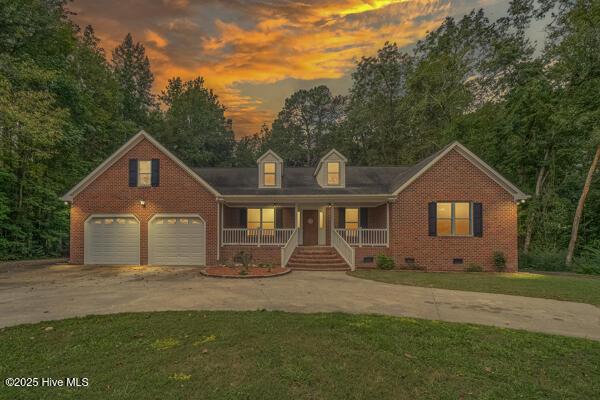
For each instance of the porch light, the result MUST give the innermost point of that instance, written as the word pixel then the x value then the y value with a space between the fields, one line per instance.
pixel 66 203
pixel 143 203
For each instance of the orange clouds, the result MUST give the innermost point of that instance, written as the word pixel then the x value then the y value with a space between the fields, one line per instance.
pixel 156 39
pixel 259 42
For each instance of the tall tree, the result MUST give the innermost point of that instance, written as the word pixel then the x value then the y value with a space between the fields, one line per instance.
pixel 304 128
pixel 376 121
pixel 195 127
pixel 132 69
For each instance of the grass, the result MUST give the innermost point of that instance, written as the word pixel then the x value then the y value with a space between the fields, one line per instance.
pixel 275 355
pixel 582 289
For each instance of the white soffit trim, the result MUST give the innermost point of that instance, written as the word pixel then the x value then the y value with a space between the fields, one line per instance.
pixel 478 162
pixel 137 138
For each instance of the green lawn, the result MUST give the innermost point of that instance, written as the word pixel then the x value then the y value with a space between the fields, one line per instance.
pixel 275 355
pixel 578 288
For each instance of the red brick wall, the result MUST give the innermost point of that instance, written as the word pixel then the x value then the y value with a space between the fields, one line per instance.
pixel 453 178
pixel 262 254
pixel 231 217
pixel 377 217
pixel 110 193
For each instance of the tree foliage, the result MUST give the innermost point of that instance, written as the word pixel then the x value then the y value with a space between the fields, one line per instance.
pixel 530 111
pixel 304 128
pixel 194 124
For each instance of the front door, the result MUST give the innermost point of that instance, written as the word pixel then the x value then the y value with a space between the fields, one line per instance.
pixel 310 228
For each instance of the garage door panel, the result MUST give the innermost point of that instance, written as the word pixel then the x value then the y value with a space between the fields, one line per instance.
pixel 112 240
pixel 177 240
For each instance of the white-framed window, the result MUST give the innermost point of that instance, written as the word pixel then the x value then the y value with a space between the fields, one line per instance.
pixel 269 174
pixel 351 218
pixel 333 173
pixel 263 218
pixel 144 173
pixel 454 218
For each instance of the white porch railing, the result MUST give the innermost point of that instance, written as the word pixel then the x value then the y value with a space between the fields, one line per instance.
pixel 364 237
pixel 343 248
pixel 290 246
pixel 257 237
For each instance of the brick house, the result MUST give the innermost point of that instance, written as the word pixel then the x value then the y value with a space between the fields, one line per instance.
pixel 144 206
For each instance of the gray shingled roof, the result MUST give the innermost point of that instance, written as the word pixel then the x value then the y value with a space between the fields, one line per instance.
pixel 300 181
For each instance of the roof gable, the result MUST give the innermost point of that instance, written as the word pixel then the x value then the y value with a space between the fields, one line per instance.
pixel 131 143
pixel 405 179
pixel 269 154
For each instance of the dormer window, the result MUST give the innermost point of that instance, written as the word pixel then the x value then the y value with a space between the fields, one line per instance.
pixel 270 168
pixel 270 174
pixel 331 170
pixel 333 173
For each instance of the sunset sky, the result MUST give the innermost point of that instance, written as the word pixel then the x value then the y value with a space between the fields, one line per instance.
pixel 255 53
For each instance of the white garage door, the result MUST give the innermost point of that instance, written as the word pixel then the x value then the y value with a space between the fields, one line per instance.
pixel 112 240
pixel 177 240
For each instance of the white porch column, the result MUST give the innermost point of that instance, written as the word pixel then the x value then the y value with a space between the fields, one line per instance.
pixel 387 227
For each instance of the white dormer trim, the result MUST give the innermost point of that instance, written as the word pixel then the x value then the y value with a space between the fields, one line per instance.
pixel 321 171
pixel 270 157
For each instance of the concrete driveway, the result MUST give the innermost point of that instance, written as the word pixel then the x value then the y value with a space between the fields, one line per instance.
pixel 33 294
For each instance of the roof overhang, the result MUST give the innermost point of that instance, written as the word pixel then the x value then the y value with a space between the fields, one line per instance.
pixel 309 199
pixel 478 162
pixel 136 139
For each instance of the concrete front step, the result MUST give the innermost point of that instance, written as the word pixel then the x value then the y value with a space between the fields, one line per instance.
pixel 328 258
pixel 317 259
pixel 317 266
pixel 320 269
pixel 302 260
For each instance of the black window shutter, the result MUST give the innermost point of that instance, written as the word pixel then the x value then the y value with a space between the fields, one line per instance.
pixel 477 219
pixel 133 172
pixel 279 218
pixel 243 217
pixel 433 218
pixel 363 217
pixel 155 177
pixel 342 217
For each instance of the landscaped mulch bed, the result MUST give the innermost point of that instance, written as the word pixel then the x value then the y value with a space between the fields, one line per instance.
pixel 253 272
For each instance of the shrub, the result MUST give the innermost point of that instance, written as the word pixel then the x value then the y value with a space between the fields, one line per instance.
pixel 589 261
pixel 244 258
pixel 544 260
pixel 499 261
pixel 385 262
pixel 473 267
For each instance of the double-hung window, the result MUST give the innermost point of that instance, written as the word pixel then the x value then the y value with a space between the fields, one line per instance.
pixel 144 173
pixel 333 173
pixel 454 219
pixel 351 219
pixel 261 218
pixel 269 174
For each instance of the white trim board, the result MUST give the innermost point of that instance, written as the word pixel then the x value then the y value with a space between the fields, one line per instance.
pixel 136 139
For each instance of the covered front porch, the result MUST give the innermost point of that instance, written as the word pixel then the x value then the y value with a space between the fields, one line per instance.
pixel 343 226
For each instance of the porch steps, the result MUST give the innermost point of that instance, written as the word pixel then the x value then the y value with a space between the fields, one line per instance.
pixel 317 258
